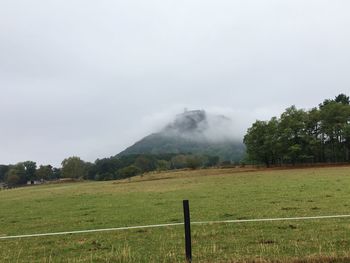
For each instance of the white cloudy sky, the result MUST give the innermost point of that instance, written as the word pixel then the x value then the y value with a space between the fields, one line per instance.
pixel 88 78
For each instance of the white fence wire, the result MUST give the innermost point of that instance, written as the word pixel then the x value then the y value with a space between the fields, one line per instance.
pixel 175 224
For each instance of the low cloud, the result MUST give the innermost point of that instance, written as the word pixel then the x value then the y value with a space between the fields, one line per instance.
pixel 218 125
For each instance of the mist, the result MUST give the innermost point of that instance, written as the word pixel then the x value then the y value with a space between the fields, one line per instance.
pixel 203 126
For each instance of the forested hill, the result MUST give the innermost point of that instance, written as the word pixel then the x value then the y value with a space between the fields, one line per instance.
pixel 194 132
pixel 193 140
pixel 318 135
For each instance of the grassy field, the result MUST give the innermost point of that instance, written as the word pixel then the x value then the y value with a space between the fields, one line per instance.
pixel 157 198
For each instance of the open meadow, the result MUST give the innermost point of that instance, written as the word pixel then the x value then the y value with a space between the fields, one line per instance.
pixel 214 194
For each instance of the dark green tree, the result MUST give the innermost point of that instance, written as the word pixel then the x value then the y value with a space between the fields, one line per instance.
pixel 74 167
pixel 255 142
pixel 56 173
pixel 16 175
pixel 211 161
pixel 145 163
pixel 314 138
pixel 128 171
pixel 292 128
pixel 30 168
pixel 262 142
pixel 178 161
pixel 334 120
pixel 44 172
pixel 3 171
pixel 193 162
pixel 318 135
pixel 342 98
pixel 163 165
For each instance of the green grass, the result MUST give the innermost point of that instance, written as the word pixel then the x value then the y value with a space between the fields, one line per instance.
pixel 157 198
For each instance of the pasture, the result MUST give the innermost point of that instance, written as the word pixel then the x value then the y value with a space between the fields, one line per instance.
pixel 214 194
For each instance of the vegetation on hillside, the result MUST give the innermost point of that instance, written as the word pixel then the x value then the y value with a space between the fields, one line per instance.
pixel 195 132
pixel 320 135
pixel 159 143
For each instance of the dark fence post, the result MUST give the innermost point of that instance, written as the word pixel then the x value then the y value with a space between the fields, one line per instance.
pixel 188 244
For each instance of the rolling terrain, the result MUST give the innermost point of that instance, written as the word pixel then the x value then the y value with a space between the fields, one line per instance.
pixel 214 194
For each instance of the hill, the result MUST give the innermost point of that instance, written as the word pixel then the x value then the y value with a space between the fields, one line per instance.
pixel 195 132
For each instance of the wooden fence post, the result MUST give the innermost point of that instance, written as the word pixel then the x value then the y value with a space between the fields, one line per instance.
pixel 188 245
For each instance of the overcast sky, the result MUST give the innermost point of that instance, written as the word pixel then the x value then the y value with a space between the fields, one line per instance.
pixel 89 78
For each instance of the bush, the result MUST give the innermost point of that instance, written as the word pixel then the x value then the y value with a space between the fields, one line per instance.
pixel 13 180
pixel 193 162
pixel 129 171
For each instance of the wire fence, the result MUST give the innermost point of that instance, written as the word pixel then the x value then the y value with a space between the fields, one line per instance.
pixel 174 224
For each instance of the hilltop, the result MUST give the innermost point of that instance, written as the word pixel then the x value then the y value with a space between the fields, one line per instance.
pixel 195 132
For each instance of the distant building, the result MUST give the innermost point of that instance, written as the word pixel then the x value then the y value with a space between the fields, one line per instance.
pixel 35 182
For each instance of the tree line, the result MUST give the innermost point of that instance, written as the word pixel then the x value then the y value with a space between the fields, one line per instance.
pixel 103 169
pixel 318 135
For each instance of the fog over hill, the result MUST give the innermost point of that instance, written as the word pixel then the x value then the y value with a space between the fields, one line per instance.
pixel 198 125
pixel 196 132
